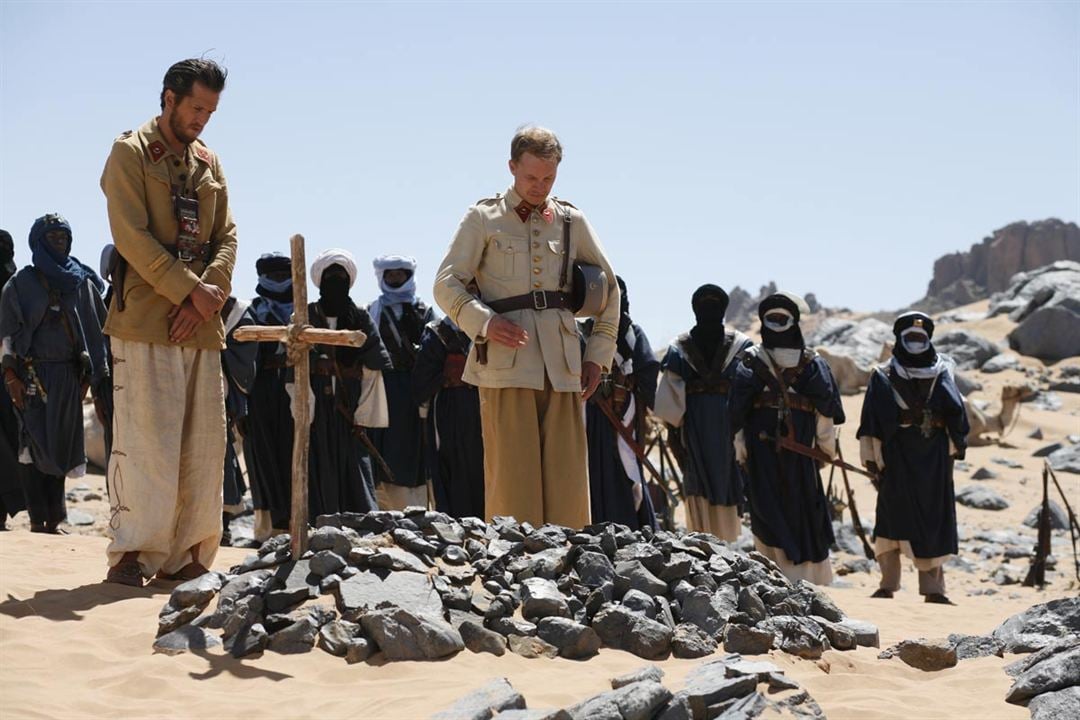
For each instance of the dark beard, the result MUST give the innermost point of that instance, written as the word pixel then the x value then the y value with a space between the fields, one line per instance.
pixel 178 131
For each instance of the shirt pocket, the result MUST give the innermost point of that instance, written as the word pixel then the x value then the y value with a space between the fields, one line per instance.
pixel 554 255
pixel 209 193
pixel 506 257
pixel 571 341
pixel 500 357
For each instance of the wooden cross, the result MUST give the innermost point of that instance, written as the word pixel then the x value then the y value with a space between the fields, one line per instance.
pixel 298 337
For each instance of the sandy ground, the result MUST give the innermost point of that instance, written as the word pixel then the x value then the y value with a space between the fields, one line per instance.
pixel 71 647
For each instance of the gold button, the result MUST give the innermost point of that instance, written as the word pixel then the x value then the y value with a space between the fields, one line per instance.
pixel 536 284
pixel 536 244
pixel 536 232
pixel 536 258
pixel 536 271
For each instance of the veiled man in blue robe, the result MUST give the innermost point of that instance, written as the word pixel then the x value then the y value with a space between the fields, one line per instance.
pixel 913 426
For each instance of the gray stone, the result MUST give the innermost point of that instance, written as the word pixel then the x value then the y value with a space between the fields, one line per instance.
pixel 840 637
pixel 1000 363
pixel 1040 625
pixel 511 626
pixel 820 603
pixel 296 638
pixel 796 635
pixel 281 600
pixel 632 575
pixel 479 639
pixel 1066 459
pixel 358 650
pixel 534 714
pixel 247 611
pixel 690 641
pixel 402 635
pixel 249 640
pixel 171 618
pixel 1058 519
pixel 396 559
pixel 531 647
pixel 866 634
pixel 650 556
pixel 980 498
pixel 1048 450
pixel 624 629
pixel 975 646
pixel 710 611
pixel 326 562
pixel 198 592
pixel 1054 671
pixel 484 702
pixel 185 639
pixel 923 654
pixel 637 701
pixel 541 598
pixel 640 602
pixel 747 640
pixel 649 672
pixel 1057 705
pixel 751 604
pixel 574 641
pixel 454 555
pixel 334 637
pixel 969 350
pixel 709 685
pixel 330 538
pixel 367 591
pixel 78 517
pixel 594 569
pixel 984 474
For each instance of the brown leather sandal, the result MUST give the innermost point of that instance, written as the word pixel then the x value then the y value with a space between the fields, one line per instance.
pixel 127 571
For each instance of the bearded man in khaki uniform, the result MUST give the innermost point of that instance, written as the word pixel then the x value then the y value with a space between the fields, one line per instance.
pixel 170 219
pixel 526 356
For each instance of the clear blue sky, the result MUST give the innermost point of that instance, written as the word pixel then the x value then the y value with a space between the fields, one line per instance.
pixel 836 148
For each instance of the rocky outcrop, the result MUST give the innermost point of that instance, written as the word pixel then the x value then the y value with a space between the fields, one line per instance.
pixel 1046 303
pixel 964 277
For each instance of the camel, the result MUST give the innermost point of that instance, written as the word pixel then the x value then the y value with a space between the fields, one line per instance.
pixel 983 422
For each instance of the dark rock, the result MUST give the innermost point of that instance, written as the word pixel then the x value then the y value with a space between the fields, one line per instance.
pixel 1058 519
pixel 249 640
pixel 281 600
pixel 709 685
pixel 690 641
pixel 751 604
pixel 454 555
pixel 185 639
pixel 535 714
pixel 296 638
pixel 396 560
pixel 508 626
pixel 594 569
pixel 1048 450
pixel 358 650
pixel 796 635
pixel 450 533
pixel 1057 667
pixel 247 611
pixel 1040 625
pixel 541 598
pixel 326 562
pixel 250 583
pixel 709 611
pixel 402 635
pixel 531 647
pixel 414 542
pixel 334 637
pixel 632 575
pixel 984 474
pixel 637 701
pixel 678 566
pixel 640 602
pixel 840 637
pixel 573 640
pixel 1066 459
pixel 495 697
pixel 975 646
pixel 747 640
pixel 980 498
pixel 479 639
pixel 624 629
pixel 368 590
pixel 329 538
pixel 850 566
pixel 1000 363
pixel 969 350
pixel 923 654
pixel 820 603
pixel 1036 434
pixel 550 564
pixel 649 672
pixel 198 592
pixel 170 618
pixel 1057 705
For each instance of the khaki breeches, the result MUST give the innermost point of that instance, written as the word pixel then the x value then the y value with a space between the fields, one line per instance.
pixel 719 520
pixel 535 456
pixel 819 573
pixel 396 497
pixel 166 469
pixel 931 577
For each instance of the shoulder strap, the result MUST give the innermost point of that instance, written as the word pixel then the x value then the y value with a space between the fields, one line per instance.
pixel 564 272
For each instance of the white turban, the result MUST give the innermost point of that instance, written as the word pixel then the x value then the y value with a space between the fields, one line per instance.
pixel 333 256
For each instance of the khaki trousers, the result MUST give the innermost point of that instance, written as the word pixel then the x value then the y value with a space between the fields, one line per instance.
pixel 720 520
pixel 397 497
pixel 168 459
pixel 931 579
pixel 535 455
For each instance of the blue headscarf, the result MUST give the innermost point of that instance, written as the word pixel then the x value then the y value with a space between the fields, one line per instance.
pixel 278 293
pixel 403 295
pixel 64 273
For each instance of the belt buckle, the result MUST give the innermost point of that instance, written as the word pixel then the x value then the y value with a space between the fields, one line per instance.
pixel 539 300
pixel 185 256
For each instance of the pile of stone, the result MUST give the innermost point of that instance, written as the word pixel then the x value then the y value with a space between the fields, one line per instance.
pixel 729 687
pixel 419 585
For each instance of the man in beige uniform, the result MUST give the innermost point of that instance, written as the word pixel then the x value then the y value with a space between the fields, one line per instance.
pixel 526 357
pixel 169 213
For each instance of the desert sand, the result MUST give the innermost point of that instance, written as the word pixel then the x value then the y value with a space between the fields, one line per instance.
pixel 71 647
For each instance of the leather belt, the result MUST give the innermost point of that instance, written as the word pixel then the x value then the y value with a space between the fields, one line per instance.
pixel 201 253
pixel 914 417
pixel 536 300
pixel 324 366
pixel 771 399
pixel 275 362
pixel 701 387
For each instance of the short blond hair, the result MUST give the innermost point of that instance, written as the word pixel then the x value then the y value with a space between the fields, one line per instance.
pixel 537 140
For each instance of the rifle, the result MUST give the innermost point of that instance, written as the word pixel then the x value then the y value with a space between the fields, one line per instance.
pixel 359 434
pixel 626 435
pixel 1036 575
pixel 785 442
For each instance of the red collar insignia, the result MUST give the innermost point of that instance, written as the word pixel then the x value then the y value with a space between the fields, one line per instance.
pixel 203 154
pixel 157 150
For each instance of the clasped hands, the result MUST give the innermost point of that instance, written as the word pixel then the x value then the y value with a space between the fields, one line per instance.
pixel 510 334
pixel 197 308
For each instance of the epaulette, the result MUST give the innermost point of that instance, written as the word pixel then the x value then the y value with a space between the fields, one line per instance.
pixel 203 153
pixel 567 203
pixel 490 200
pixel 124 135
